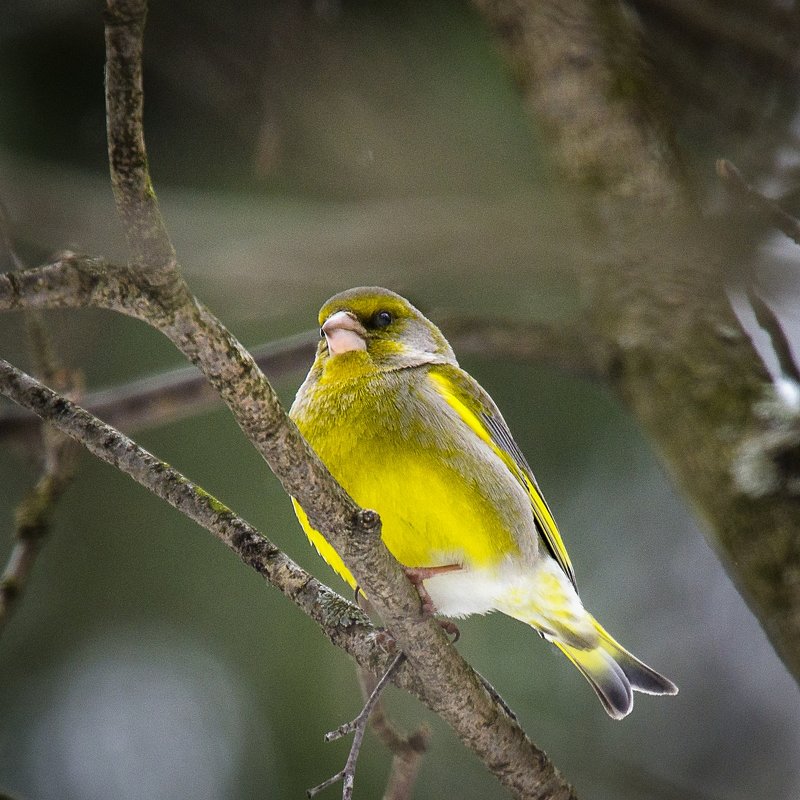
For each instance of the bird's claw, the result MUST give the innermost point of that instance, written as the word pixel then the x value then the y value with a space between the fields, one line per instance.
pixel 417 576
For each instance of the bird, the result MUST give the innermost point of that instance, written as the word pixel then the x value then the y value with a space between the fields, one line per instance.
pixel 408 433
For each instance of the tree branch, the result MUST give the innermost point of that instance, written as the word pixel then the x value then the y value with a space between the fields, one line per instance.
pixel 358 727
pixel 342 622
pixel 137 206
pixel 744 191
pixel 407 750
pixel 169 396
pixel 33 518
pixel 770 323
pixel 153 290
pixel 181 393
pixel 567 345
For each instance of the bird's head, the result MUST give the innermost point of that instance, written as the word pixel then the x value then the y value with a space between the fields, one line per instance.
pixel 377 328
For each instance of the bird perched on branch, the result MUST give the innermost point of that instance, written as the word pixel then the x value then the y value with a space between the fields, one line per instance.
pixel 408 433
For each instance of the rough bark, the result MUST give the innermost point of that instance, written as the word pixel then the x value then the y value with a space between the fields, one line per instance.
pixel 153 290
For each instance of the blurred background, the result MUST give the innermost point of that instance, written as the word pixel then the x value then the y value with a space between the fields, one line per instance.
pixel 300 148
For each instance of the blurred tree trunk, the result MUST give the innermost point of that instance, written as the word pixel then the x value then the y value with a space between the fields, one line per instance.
pixel 656 298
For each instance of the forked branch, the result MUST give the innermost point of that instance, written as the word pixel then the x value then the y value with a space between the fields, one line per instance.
pixel 152 289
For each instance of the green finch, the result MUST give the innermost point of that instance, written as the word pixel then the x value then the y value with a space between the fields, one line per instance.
pixel 408 433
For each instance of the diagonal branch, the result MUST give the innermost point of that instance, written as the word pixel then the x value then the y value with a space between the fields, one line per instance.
pixel 169 396
pixel 33 518
pixel 341 621
pixel 153 290
pixel 33 514
pixel 770 323
pixel 452 688
pixel 358 727
pixel 407 750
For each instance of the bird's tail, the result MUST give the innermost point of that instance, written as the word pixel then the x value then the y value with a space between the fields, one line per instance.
pixel 614 673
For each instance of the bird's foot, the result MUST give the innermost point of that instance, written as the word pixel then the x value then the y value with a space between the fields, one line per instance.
pixel 419 574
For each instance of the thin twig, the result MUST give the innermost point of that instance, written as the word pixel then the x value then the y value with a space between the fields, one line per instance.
pixel 33 514
pixel 33 518
pixel 790 226
pixel 407 750
pixel 770 323
pixel 358 727
pixel 7 238
pixel 782 220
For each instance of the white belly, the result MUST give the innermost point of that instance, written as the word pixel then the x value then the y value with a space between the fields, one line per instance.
pixel 538 594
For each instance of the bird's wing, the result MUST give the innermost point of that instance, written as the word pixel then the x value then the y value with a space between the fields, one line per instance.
pixel 478 411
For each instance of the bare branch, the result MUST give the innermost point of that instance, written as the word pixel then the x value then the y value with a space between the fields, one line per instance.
pixel 780 344
pixel 566 345
pixel 7 239
pixel 407 750
pixel 181 393
pixel 342 622
pixel 358 727
pixel 137 206
pixel 75 281
pixel 170 396
pixel 559 57
pixel 59 452
pixel 744 191
pixel 405 765
pixel 33 518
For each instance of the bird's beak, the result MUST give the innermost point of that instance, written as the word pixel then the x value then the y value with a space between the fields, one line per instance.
pixel 344 333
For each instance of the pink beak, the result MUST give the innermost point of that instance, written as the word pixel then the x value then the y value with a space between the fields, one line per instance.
pixel 344 333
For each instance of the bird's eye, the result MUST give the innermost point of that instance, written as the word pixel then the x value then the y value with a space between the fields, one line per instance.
pixel 382 319
pixel 321 333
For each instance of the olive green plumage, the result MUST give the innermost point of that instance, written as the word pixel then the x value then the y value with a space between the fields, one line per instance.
pixel 408 433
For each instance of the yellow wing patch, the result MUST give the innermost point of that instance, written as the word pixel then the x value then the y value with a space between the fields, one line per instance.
pixel 322 547
pixel 490 427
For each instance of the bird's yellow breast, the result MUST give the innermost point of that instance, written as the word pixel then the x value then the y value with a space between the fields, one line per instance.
pixel 391 459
